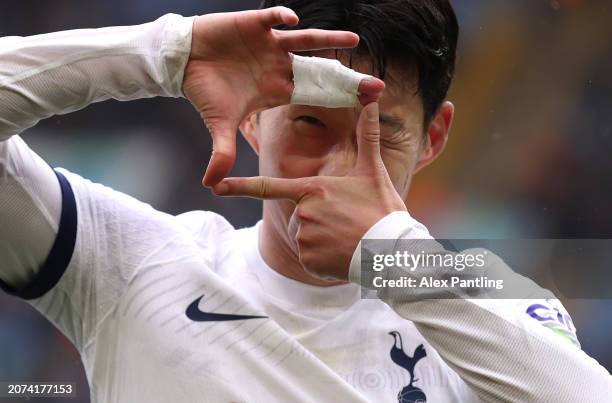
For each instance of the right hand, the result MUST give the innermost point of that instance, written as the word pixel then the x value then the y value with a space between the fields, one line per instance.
pixel 239 65
pixel 332 213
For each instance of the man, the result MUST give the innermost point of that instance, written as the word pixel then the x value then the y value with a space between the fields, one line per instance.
pixel 187 308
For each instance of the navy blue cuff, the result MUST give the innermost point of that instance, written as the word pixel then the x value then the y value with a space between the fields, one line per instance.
pixel 57 262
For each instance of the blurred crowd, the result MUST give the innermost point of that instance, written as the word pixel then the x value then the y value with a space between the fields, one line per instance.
pixel 528 157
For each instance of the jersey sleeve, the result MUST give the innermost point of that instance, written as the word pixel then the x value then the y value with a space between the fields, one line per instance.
pixel 30 209
pixel 103 236
pixel 67 245
pixel 511 350
pixel 62 72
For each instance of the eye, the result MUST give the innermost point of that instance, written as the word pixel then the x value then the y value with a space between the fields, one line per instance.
pixel 311 121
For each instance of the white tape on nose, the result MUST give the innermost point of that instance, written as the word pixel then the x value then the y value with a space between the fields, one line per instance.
pixel 325 82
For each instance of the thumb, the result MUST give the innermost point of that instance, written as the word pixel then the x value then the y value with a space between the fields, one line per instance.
pixel 223 155
pixel 368 138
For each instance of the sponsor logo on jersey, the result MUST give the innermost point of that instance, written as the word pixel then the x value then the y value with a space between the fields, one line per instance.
pixel 548 312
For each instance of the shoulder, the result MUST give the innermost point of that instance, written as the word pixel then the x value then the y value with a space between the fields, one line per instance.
pixel 206 225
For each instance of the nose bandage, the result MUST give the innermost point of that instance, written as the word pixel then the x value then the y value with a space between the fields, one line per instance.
pixel 325 82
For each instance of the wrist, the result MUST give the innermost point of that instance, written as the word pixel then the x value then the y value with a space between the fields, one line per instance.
pixel 175 51
pixel 394 226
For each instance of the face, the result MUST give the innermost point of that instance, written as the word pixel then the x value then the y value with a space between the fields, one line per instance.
pixel 295 141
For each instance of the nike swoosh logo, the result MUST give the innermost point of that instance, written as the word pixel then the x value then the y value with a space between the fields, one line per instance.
pixel 195 314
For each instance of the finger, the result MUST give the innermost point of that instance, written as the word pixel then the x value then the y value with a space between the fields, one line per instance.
pixel 370 90
pixel 223 155
pixel 316 39
pixel 270 17
pixel 368 138
pixel 261 187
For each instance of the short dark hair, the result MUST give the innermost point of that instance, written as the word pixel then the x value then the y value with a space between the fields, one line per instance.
pixel 419 34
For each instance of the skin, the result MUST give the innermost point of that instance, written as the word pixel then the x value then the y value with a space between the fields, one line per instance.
pixel 341 165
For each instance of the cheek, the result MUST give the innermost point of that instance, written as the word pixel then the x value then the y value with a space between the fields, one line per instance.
pixel 296 166
pixel 400 164
pixel 284 154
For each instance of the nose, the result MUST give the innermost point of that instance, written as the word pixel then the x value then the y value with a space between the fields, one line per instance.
pixel 342 156
pixel 340 159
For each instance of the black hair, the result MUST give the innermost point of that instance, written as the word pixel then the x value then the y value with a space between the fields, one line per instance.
pixel 410 34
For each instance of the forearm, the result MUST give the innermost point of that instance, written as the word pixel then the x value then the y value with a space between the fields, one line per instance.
pixel 58 73
pixel 501 360
pixel 497 349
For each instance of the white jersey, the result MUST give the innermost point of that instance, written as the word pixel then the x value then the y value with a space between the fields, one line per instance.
pixel 184 309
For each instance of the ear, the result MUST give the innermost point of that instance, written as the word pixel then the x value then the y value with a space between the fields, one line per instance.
pixel 250 131
pixel 437 135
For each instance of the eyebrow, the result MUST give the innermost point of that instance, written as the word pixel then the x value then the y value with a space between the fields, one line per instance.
pixel 392 122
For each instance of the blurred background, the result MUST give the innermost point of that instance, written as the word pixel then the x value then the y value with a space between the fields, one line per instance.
pixel 529 155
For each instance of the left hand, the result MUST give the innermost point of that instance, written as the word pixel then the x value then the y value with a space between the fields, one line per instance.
pixel 332 213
